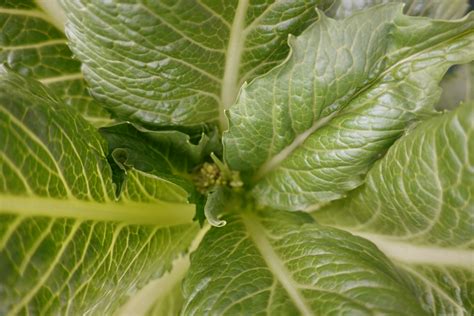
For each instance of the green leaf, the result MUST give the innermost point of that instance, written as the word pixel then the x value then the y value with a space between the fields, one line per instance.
pixel 66 245
pixel 458 86
pixel 442 290
pixel 458 82
pixel 282 263
pixel 169 157
pixel 163 297
pixel 180 63
pixel 159 297
pixel 417 206
pixel 170 304
pixel 34 45
pixel 149 188
pixel 311 128
pixel 437 9
pixel 215 205
pixel 160 151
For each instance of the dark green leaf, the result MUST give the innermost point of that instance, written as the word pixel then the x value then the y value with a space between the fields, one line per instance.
pixel 166 156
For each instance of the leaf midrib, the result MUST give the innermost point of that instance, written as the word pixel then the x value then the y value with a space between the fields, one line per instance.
pixel 232 61
pixel 274 263
pixel 157 213
pixel 271 164
pixel 157 289
pixel 48 11
pixel 62 78
pixel 26 12
pixel 435 287
pixel 54 11
pixel 418 254
pixel 15 309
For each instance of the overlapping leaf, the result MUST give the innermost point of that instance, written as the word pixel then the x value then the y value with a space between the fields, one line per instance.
pixel 281 263
pixel 417 205
pixel 170 304
pixel 180 62
pixel 458 84
pixel 66 245
pixel 311 128
pixel 161 297
pixel 33 44
pixel 167 156
pixel 436 9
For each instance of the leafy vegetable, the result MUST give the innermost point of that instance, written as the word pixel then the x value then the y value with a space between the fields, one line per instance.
pixel 454 9
pixel 63 238
pixel 33 44
pixel 281 263
pixel 303 157
pixel 310 136
pixel 418 197
pixel 168 156
pixel 181 63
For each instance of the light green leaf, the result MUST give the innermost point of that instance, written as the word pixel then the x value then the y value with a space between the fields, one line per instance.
pixel 458 86
pixel 421 191
pixel 417 205
pixel 180 62
pixel 147 187
pixel 34 45
pixel 66 245
pixel 311 128
pixel 458 82
pixel 437 9
pixel 163 297
pixel 442 290
pixel 170 304
pixel 282 263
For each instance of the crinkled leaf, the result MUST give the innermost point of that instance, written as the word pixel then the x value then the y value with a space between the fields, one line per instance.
pixel 282 263
pixel 442 290
pixel 311 128
pixel 180 62
pixel 166 156
pixel 417 205
pixel 458 82
pixel 159 151
pixel 421 191
pixel 34 45
pixel 66 245
pixel 437 9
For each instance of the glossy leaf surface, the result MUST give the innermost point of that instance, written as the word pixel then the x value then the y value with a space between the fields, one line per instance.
pixel 309 130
